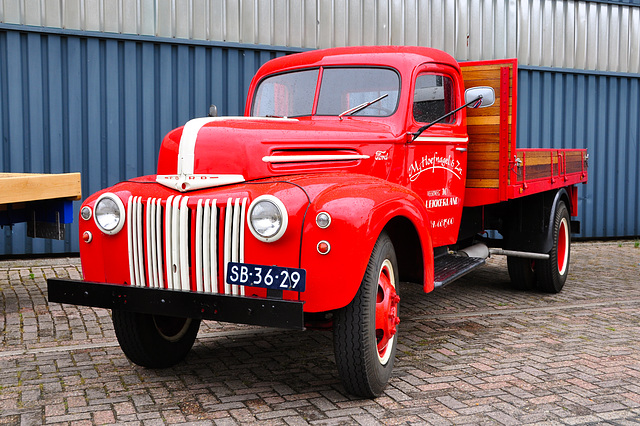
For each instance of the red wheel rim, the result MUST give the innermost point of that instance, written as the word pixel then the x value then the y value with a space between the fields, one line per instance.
pixel 563 246
pixel 386 311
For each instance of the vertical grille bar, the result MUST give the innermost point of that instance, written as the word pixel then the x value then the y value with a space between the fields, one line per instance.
pixel 199 243
pixel 185 232
pixel 151 241
pixel 158 249
pixel 175 242
pixel 240 231
pixel 168 235
pixel 140 273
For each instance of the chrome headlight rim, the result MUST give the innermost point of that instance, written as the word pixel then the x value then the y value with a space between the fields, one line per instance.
pixel 284 218
pixel 86 213
pixel 121 211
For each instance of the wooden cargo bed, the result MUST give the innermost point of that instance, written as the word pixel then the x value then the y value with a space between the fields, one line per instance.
pixel 496 169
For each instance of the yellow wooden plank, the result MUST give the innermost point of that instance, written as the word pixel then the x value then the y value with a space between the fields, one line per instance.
pixel 483 120
pixel 22 187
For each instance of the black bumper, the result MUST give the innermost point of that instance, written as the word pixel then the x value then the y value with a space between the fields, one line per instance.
pixel 184 304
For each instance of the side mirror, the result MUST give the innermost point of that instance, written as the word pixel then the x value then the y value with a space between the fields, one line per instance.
pixel 213 111
pixel 487 95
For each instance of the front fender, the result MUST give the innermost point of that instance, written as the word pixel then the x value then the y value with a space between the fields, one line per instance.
pixel 360 208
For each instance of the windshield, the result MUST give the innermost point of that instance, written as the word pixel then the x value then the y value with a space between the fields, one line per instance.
pixel 341 89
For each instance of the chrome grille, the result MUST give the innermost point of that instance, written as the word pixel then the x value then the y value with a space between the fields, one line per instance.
pixel 163 249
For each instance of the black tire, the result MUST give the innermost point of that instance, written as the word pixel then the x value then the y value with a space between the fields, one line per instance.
pixel 552 273
pixel 522 272
pixel 365 346
pixel 154 341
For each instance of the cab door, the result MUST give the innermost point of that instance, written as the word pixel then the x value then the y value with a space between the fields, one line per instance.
pixel 436 159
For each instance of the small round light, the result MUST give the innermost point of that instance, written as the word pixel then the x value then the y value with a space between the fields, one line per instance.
pixel 267 218
pixel 87 236
pixel 85 213
pixel 323 247
pixel 109 214
pixel 323 220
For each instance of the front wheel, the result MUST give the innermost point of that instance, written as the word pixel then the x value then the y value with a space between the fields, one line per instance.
pixel 552 273
pixel 154 341
pixel 365 331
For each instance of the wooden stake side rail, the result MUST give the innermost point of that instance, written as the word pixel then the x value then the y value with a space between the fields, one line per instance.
pixel 536 170
pixel 24 187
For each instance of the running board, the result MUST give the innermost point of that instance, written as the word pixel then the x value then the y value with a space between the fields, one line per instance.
pixel 448 268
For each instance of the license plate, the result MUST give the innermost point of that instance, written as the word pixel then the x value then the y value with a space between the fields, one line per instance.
pixel 273 277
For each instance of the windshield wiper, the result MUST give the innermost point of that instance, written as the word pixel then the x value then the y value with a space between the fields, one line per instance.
pixel 362 106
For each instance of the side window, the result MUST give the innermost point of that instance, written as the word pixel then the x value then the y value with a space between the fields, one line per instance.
pixel 433 98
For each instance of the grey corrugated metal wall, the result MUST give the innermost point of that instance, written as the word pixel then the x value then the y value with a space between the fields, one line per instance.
pixel 584 34
pixel 101 104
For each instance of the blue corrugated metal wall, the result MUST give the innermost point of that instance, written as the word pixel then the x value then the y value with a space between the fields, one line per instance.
pixel 597 111
pixel 100 104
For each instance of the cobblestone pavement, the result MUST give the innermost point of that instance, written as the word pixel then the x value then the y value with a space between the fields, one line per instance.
pixel 475 352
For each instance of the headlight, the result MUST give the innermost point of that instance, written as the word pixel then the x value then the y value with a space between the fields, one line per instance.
pixel 108 213
pixel 267 218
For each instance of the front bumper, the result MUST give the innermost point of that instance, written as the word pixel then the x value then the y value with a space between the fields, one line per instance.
pixel 185 304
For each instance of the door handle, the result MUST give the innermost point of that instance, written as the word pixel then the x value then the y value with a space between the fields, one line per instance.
pixel 461 149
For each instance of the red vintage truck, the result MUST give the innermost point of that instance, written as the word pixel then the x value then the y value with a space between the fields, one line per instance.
pixel 353 169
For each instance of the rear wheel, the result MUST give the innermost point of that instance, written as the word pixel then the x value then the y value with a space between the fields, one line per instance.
pixel 154 341
pixel 552 273
pixel 365 331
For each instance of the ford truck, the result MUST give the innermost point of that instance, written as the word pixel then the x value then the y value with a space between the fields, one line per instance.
pixel 352 170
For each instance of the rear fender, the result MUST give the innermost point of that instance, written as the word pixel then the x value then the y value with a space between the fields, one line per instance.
pixel 360 208
pixel 530 225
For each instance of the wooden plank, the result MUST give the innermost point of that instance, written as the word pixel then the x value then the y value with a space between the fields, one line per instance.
pixel 483 120
pixel 478 68
pixel 22 187
pixel 483 130
pixel 484 142
pixel 482 173
pixel 482 183
pixel 483 157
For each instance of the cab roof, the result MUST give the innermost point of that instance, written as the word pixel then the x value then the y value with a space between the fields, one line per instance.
pixel 399 57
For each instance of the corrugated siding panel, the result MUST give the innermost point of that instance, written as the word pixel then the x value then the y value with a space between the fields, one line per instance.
pixel 578 34
pixel 598 112
pixel 101 106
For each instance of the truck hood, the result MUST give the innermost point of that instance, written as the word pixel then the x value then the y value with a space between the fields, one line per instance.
pixel 209 152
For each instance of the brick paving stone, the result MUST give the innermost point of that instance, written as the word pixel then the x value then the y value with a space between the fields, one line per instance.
pixel 474 352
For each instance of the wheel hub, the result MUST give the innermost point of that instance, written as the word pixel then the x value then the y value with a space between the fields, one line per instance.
pixel 387 318
pixel 563 246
